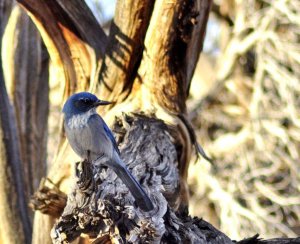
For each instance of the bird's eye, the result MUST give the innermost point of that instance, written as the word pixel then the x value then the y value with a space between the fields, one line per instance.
pixel 85 100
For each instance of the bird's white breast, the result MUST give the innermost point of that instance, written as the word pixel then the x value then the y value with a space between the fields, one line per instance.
pixel 80 120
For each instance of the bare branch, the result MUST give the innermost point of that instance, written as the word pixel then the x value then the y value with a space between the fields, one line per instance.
pixel 198 22
pixel 125 47
pixel 70 45
pixel 172 46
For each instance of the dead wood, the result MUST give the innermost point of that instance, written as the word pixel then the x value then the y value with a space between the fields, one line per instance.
pixel 125 48
pixel 74 39
pixel 146 65
pixel 101 206
pixel 49 199
pixel 100 203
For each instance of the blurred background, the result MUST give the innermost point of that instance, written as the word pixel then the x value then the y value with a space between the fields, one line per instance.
pixel 245 106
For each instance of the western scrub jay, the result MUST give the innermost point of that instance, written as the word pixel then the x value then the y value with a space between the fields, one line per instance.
pixel 90 138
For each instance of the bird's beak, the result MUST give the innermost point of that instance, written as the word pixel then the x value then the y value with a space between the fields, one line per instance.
pixel 101 103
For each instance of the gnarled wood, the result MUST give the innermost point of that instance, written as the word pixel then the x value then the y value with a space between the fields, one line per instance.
pixel 149 61
pixel 101 204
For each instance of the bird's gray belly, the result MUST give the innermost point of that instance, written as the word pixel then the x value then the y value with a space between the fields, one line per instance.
pixel 87 143
pixel 77 141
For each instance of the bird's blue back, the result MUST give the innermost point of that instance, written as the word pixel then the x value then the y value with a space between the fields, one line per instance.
pixel 111 137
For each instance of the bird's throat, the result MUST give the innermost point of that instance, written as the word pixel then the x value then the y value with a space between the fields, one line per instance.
pixel 80 120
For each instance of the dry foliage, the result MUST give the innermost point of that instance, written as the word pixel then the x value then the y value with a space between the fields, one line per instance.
pixel 250 122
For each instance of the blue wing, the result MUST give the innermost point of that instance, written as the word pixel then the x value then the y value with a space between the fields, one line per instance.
pixel 111 137
pixel 98 138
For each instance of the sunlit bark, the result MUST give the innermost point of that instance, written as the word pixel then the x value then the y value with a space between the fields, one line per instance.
pixel 15 225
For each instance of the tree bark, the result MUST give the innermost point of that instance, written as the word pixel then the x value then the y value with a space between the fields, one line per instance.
pixel 125 48
pixel 27 75
pixel 15 223
pixel 73 38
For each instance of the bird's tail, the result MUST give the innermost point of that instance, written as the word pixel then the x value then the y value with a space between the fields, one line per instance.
pixel 142 199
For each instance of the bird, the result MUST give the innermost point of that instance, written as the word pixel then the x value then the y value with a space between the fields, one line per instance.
pixel 91 138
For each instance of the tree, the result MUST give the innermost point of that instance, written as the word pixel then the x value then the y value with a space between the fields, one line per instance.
pixel 145 65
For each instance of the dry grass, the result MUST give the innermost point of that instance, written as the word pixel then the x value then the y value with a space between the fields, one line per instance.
pixel 249 121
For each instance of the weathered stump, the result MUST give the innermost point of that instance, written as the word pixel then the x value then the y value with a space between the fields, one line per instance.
pixel 100 204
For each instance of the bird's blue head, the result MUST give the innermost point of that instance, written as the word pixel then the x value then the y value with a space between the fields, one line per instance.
pixel 81 102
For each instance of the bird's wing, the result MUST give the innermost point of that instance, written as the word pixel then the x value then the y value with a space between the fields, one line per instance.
pixel 111 136
pixel 103 140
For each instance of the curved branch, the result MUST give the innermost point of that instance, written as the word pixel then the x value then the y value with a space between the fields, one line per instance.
pixel 76 44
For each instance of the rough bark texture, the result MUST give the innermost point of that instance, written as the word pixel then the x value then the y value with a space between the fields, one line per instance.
pixel 15 226
pixel 100 203
pixel 101 206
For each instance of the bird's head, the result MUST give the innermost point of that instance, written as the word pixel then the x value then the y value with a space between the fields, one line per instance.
pixel 81 103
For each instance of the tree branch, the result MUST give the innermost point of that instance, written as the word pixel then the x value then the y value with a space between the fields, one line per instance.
pixel 71 47
pixel 124 49
pixel 157 71
pixel 198 22
pixel 172 46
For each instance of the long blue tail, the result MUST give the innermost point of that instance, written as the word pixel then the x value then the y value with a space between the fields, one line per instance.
pixel 142 199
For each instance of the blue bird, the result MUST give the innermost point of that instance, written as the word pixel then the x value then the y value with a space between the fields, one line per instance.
pixel 90 138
